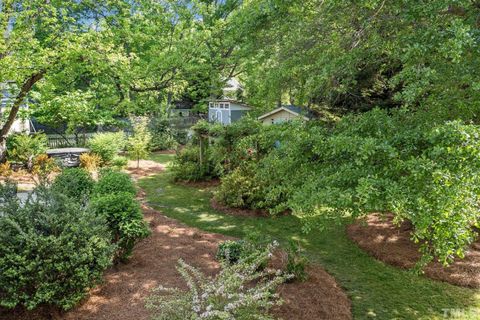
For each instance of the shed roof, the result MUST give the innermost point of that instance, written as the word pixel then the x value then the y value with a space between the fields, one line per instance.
pixel 295 110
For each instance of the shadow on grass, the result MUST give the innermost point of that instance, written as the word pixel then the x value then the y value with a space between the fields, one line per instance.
pixel 377 291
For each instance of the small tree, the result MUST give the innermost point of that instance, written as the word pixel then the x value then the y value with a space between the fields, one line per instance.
pixel 138 144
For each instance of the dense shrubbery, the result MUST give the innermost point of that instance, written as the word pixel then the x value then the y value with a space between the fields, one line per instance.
pixel 380 161
pixel 112 181
pixel 239 291
pixel 163 136
pixel 124 218
pixel 107 145
pixel 75 183
pixel 56 246
pixel 52 250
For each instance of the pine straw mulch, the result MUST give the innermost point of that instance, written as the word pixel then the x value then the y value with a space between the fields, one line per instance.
pixel 392 244
pixel 237 211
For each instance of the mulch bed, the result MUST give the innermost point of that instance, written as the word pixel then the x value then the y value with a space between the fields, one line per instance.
pixel 237 211
pixel 126 286
pixel 391 244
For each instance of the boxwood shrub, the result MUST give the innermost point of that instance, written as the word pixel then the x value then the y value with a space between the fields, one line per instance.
pixel 124 219
pixel 75 183
pixel 52 250
pixel 112 181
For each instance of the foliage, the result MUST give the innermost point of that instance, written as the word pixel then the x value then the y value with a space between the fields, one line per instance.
pixel 119 162
pixel 112 181
pixel 163 136
pixel 52 251
pixel 230 251
pixel 297 261
pixel 74 183
pixel 239 189
pixel 23 148
pixel 107 145
pixel 43 167
pixel 138 144
pixel 124 218
pixel 187 166
pixel 5 169
pixel 90 161
pixel 239 291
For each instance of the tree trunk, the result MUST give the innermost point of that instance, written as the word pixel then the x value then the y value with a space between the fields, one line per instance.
pixel 26 87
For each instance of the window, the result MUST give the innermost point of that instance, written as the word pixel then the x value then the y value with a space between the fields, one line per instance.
pixel 221 105
pixel 227 105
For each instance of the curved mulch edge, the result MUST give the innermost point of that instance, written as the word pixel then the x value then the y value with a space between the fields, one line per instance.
pixel 379 237
pixel 237 211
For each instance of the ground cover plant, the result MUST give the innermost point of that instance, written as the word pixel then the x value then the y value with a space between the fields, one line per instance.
pixel 375 289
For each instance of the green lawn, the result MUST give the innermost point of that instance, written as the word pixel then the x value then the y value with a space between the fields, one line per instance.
pixel 377 291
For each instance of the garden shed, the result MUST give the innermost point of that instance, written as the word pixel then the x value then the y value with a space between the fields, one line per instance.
pixel 284 114
pixel 226 111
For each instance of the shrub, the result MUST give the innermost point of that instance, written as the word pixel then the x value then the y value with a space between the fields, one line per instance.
pixel 119 162
pixel 187 166
pixel 5 169
pixel 74 183
pixel 43 167
pixel 239 189
pixel 107 145
pixel 163 136
pixel 90 161
pixel 52 251
pixel 124 219
pixel 296 261
pixel 23 148
pixel 112 181
pixel 230 251
pixel 239 291
pixel 139 143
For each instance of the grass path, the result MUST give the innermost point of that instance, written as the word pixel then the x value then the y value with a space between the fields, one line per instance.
pixel 377 291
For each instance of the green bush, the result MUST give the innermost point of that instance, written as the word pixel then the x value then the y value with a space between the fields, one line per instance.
pixel 164 137
pixel 187 167
pixel 297 262
pixel 239 189
pixel 75 183
pixel 119 162
pixel 239 291
pixel 23 148
pixel 112 181
pixel 125 220
pixel 230 251
pixel 107 145
pixel 52 251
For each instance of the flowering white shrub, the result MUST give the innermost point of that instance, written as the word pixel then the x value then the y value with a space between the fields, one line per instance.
pixel 239 291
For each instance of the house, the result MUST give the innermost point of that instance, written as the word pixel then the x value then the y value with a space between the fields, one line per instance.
pixel 226 111
pixel 20 124
pixel 284 114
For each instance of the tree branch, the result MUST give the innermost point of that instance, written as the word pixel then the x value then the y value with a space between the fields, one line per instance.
pixel 26 87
